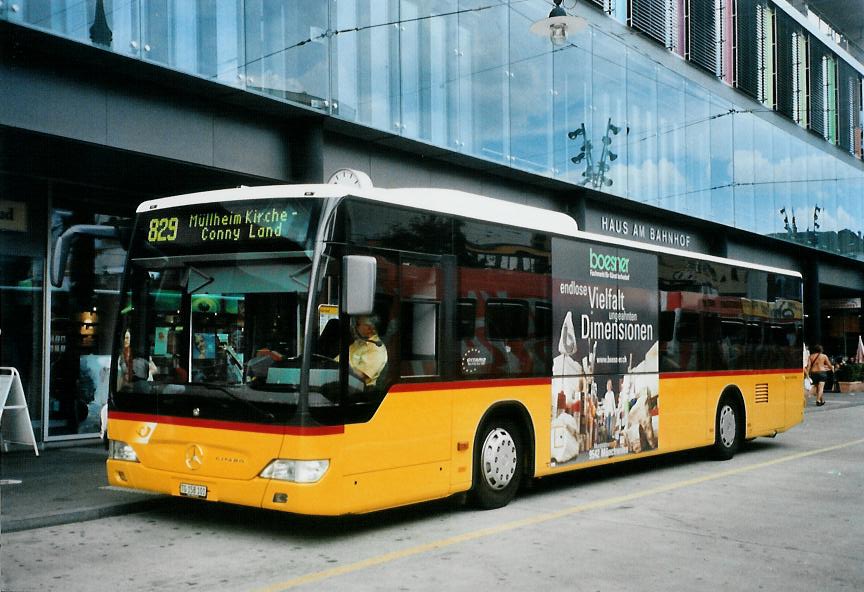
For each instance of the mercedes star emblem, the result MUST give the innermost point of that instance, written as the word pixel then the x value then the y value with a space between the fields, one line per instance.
pixel 194 457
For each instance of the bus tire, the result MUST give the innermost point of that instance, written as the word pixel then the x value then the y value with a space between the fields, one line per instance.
pixel 728 429
pixel 498 463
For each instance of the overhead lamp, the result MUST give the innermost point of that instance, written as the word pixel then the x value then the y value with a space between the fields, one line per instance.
pixel 558 26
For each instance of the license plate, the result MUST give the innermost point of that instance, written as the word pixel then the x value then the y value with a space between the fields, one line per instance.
pixel 193 490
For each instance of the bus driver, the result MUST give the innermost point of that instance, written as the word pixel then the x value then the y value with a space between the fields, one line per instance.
pixel 367 355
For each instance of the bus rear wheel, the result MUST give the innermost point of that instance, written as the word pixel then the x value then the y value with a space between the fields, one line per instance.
pixel 498 463
pixel 727 430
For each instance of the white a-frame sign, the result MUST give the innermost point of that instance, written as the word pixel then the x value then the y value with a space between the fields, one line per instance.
pixel 15 426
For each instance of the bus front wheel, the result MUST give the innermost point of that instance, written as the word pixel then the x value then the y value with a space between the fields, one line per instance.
pixel 497 463
pixel 727 430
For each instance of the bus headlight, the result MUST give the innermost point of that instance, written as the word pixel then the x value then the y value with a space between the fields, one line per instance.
pixel 298 471
pixel 118 450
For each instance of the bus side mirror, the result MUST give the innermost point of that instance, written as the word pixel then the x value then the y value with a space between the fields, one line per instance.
pixel 358 284
pixel 64 245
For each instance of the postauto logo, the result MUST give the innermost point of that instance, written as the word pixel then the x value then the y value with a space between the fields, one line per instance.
pixel 602 262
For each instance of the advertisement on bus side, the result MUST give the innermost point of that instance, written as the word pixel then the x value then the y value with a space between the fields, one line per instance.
pixel 605 382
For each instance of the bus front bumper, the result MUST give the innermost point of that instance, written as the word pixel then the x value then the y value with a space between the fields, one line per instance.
pixel 320 498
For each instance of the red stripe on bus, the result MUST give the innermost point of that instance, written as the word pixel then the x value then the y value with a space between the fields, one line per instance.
pixel 409 387
pixel 712 373
pixel 230 425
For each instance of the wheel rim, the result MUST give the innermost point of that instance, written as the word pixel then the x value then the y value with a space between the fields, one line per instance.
pixel 728 428
pixel 499 458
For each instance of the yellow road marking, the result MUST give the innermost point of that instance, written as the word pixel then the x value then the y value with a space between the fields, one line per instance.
pixel 485 532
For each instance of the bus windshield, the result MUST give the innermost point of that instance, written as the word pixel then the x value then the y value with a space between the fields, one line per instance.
pixel 218 324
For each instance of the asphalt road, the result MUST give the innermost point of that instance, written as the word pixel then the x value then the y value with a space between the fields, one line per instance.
pixel 785 514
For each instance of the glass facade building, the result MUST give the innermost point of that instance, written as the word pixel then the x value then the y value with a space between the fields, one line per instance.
pixel 611 111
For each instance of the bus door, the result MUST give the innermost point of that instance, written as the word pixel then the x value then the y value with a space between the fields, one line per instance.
pixel 420 360
pixel 411 430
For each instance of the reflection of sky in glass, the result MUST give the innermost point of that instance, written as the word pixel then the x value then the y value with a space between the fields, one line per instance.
pixel 429 71
pixel 670 139
pixel 531 94
pixel 697 156
pixel 572 101
pixel 468 76
pixel 641 127
pixel 362 84
pixel 484 83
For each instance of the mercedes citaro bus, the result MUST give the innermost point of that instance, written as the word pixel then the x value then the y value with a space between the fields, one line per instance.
pixel 503 344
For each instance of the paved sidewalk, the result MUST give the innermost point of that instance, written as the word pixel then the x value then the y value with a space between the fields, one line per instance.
pixel 62 486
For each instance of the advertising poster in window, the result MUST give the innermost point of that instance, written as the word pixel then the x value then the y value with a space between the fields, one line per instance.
pixel 605 382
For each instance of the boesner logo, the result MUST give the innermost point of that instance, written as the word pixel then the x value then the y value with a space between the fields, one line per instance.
pixel 601 262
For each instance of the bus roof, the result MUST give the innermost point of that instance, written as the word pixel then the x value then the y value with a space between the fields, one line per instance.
pixel 447 201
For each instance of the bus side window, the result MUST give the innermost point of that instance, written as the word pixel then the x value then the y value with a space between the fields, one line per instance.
pixel 668 350
pixel 419 339
pixel 543 321
pixel 420 292
pixel 507 319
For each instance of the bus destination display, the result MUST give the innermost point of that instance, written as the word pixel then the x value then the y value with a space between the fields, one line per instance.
pixel 235 225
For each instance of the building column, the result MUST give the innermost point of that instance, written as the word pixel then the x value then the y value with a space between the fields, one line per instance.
pixel 306 149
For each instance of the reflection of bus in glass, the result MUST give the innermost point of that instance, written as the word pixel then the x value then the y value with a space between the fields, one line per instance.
pixel 316 350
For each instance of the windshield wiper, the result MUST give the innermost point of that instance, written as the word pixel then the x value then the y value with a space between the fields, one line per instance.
pixel 226 391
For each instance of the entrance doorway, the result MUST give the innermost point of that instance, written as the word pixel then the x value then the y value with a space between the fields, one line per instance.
pixel 841 325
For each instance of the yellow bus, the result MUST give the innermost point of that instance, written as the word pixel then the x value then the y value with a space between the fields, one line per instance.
pixel 323 350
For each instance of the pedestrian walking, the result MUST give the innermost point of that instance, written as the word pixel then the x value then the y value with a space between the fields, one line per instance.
pixel 818 367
